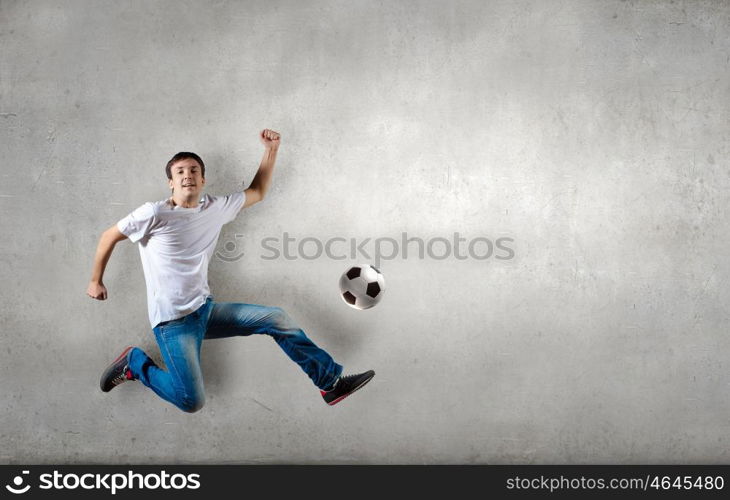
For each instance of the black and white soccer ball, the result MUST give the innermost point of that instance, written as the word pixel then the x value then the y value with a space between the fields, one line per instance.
pixel 362 286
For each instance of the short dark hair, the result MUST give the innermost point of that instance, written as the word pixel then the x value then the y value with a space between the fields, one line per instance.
pixel 181 156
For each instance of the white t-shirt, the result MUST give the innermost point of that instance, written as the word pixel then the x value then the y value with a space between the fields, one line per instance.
pixel 176 245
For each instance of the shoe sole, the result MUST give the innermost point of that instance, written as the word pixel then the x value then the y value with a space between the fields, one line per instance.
pixel 110 367
pixel 352 391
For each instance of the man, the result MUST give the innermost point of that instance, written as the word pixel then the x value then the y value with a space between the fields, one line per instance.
pixel 177 238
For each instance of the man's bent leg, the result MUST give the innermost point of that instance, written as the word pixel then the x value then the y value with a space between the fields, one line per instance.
pixel 230 319
pixel 182 383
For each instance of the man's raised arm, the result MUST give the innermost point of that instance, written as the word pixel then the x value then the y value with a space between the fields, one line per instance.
pixel 260 183
pixel 109 238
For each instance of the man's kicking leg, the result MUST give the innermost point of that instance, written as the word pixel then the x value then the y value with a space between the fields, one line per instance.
pixel 230 319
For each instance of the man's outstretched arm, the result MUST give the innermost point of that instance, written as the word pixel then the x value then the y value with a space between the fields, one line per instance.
pixel 260 183
pixel 109 238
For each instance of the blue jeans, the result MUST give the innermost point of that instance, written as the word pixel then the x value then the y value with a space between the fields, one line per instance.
pixel 180 341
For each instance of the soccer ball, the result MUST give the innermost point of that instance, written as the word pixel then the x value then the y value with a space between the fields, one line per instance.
pixel 362 286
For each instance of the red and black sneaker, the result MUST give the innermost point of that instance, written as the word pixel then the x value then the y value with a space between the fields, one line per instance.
pixel 346 386
pixel 117 372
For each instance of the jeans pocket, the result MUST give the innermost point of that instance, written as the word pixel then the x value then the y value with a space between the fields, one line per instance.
pixel 172 322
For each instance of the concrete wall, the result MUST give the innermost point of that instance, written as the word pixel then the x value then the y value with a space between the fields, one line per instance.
pixel 594 134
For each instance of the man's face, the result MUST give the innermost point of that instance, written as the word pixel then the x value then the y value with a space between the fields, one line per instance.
pixel 187 178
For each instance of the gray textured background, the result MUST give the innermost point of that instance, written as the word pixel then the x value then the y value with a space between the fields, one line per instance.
pixel 593 133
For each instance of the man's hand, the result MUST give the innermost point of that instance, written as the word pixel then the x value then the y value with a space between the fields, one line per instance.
pixel 96 290
pixel 270 139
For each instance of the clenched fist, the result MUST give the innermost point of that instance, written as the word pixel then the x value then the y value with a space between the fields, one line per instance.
pixel 96 291
pixel 270 139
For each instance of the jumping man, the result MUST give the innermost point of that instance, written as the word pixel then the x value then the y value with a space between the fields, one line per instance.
pixel 177 238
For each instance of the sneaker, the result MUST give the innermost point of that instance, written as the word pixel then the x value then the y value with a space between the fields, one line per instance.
pixel 346 386
pixel 117 372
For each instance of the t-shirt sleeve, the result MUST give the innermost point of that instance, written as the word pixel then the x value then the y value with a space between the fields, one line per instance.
pixel 231 204
pixel 138 224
